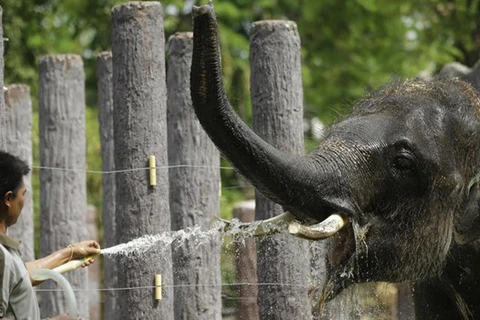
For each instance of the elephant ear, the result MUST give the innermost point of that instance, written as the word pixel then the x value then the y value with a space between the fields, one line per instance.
pixel 467 227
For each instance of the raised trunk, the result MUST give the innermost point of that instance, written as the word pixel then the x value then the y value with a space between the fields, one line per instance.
pixel 296 182
pixel 279 176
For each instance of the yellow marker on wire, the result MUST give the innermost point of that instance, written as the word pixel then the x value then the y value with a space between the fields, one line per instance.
pixel 158 287
pixel 153 170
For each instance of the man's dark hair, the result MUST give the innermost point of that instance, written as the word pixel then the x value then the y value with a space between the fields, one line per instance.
pixel 12 170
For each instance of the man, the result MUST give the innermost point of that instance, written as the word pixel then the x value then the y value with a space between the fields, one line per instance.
pixel 17 297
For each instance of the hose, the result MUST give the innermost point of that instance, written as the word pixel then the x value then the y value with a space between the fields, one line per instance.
pixel 44 274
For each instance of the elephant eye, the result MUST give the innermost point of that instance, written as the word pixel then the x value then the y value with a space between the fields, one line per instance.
pixel 404 162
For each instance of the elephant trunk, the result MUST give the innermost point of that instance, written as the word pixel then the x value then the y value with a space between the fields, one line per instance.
pixel 293 181
pixel 268 169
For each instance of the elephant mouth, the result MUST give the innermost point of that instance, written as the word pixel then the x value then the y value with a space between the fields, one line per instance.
pixel 340 226
pixel 337 227
pixel 342 248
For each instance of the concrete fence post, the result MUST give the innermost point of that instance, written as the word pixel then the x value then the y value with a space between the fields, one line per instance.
pixel 105 118
pixel 140 130
pixel 94 271
pixel 63 200
pixel 246 266
pixel 19 142
pixel 3 113
pixel 277 102
pixel 194 192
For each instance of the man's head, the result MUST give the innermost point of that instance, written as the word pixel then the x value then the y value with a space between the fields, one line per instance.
pixel 12 188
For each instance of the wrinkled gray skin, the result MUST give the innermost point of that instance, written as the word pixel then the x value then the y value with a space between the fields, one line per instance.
pixel 402 168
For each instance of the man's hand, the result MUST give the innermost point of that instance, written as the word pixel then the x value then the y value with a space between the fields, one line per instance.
pixel 85 249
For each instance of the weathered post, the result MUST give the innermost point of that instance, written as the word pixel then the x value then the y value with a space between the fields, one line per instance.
pixel 277 99
pixel 3 114
pixel 140 130
pixel 318 275
pixel 194 191
pixel 19 142
pixel 105 118
pixel 94 276
pixel 63 201
pixel 246 266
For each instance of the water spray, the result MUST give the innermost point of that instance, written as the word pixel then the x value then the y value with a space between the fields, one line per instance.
pixel 220 227
pixel 275 225
pixel 259 228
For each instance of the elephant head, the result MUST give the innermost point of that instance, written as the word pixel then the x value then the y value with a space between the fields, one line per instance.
pixel 399 175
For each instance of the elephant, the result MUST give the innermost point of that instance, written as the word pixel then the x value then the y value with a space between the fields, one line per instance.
pixel 400 175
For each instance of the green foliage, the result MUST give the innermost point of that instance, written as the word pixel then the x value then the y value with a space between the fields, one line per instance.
pixel 94 161
pixel 348 46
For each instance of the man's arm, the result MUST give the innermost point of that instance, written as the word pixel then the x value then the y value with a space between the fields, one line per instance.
pixel 74 251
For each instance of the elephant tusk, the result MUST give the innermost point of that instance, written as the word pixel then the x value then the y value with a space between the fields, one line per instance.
pixel 319 231
pixel 270 226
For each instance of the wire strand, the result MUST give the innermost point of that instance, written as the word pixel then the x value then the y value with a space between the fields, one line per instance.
pixel 143 169
pixel 277 284
pixel 129 170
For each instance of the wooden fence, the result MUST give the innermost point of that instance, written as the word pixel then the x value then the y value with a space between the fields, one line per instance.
pixel 145 109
